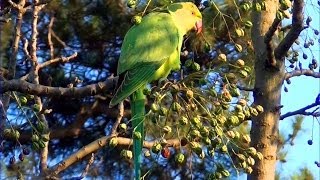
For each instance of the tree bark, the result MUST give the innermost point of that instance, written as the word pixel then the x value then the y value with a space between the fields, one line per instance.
pixel 267 92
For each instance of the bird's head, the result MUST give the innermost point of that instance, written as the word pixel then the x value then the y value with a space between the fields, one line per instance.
pixel 187 16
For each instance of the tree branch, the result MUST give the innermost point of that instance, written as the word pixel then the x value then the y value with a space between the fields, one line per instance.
pixel 268 41
pixel 306 72
pixel 302 111
pixel 293 34
pixel 57 60
pixel 41 90
pixel 98 144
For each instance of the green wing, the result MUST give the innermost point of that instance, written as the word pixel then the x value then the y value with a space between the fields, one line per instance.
pixel 145 48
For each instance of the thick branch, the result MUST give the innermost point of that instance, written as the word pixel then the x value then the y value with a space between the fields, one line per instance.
pixel 293 34
pixel 40 90
pixel 306 72
pixel 302 111
pixel 98 144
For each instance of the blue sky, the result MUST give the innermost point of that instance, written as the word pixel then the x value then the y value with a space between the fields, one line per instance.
pixel 303 91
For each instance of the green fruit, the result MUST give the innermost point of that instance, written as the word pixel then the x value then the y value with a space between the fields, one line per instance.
pixel 188 63
pixel 41 144
pixel 136 19
pixel 123 127
pixel 250 161
pixel 154 107
pixel 189 94
pixel 147 154
pixel 235 92
pixel 259 156
pixel 126 154
pixel 204 131
pixel 243 74
pixel 23 100
pixel 257 7
pixel 206 141
pixel 34 138
pixel 253 111
pixel 279 15
pixel 241 157
pixel 196 66
pixel 179 158
pixel 259 108
pixel 248 170
pixel 245 7
pixel 195 133
pixel 231 134
pixel 233 120
pixel 237 135
pixel 248 24
pixel 176 107
pixel 263 5
pixel 156 148
pixel 225 173
pixel 246 138
pixel 35 145
pixel 183 120
pixel 163 111
pixel 131 3
pixel 195 120
pixel 36 108
pixel 285 4
pixel 167 129
pixel 137 135
pixel 222 58
pixel 196 147
pixel 113 142
pixel 239 32
pixel 241 116
pixel 40 126
pixel 224 149
pixel 218 130
pixel 240 62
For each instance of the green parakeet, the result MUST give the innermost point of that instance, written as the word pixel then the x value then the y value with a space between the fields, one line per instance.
pixel 150 50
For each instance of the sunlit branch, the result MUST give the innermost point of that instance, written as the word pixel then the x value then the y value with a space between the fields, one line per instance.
pixel 98 144
pixel 293 34
pixel 58 60
pixel 305 72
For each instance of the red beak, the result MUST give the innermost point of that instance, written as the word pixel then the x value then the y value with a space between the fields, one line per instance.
pixel 198 26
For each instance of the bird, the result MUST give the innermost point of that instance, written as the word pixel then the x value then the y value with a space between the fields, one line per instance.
pixel 149 52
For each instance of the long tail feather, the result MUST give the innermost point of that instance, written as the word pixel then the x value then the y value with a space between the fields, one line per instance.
pixel 138 113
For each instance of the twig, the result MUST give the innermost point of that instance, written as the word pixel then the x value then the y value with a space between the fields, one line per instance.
pixel 49 37
pixel 118 120
pixel 245 88
pixel 25 48
pixel 58 39
pixel 57 60
pixel 306 72
pixel 302 111
pixel 90 162
pixel 293 34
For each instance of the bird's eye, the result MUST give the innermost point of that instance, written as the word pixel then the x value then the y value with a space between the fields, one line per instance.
pixel 192 13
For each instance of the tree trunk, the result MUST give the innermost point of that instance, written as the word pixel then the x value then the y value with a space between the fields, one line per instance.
pixel 267 92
